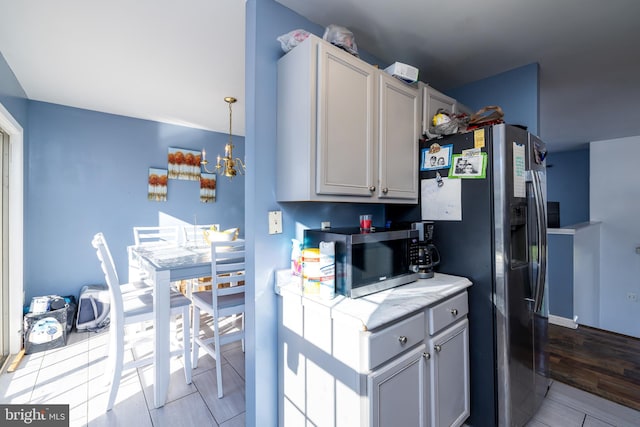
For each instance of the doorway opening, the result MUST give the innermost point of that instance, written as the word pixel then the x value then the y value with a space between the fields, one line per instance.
pixel 11 234
pixel 4 246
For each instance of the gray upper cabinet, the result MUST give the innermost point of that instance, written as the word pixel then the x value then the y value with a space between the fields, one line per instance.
pixel 432 100
pixel 345 123
pixel 347 132
pixel 398 134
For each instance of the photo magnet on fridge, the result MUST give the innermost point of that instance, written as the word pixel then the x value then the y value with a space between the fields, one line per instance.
pixel 433 160
pixel 468 166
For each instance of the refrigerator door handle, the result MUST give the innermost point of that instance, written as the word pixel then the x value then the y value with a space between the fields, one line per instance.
pixel 541 225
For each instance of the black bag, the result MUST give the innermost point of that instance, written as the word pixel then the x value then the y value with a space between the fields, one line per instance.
pixel 49 329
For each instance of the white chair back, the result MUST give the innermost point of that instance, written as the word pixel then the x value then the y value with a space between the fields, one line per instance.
pixel 111 276
pixel 226 298
pixel 228 270
pixel 155 235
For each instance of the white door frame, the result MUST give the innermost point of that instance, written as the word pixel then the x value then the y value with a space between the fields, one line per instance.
pixel 16 224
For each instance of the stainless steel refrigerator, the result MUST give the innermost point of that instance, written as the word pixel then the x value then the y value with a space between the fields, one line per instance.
pixel 500 244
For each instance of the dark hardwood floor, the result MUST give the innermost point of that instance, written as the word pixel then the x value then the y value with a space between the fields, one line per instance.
pixel 600 362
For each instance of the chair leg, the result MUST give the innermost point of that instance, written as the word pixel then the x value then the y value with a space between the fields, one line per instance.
pixel 111 353
pixel 194 335
pixel 186 343
pixel 116 361
pixel 190 286
pixel 216 339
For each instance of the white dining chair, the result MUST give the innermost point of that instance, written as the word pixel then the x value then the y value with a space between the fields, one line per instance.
pixel 149 235
pixel 226 298
pixel 193 235
pixel 134 307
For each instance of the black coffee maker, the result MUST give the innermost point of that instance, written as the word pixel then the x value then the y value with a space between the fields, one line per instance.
pixel 428 255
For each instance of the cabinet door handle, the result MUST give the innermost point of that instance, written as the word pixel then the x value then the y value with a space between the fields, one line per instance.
pixel 454 311
pixel 402 339
pixel 385 190
pixel 372 188
pixel 437 348
pixel 426 355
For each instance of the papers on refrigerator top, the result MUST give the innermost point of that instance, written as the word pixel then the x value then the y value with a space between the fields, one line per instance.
pixel 441 202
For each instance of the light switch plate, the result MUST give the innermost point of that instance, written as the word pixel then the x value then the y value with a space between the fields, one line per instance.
pixel 275 222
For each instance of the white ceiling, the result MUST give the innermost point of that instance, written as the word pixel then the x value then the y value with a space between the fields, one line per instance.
pixel 175 61
pixel 163 60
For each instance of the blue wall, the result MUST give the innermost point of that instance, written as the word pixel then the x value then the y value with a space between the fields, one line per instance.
pixel 515 91
pixel 561 275
pixel 87 172
pixel 266 20
pixel 568 183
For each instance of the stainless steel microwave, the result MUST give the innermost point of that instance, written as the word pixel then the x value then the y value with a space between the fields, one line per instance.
pixel 368 262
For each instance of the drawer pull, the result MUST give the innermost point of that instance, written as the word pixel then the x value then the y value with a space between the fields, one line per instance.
pixel 437 348
pixel 426 355
pixel 454 311
pixel 402 339
pixel 372 188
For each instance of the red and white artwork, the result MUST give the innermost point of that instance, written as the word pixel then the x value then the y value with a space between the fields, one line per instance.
pixel 184 164
pixel 157 182
pixel 208 187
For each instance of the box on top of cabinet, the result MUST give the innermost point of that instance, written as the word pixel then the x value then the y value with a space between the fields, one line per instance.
pixel 405 72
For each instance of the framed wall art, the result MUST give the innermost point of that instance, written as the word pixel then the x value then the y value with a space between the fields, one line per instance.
pixel 157 182
pixel 208 187
pixel 184 164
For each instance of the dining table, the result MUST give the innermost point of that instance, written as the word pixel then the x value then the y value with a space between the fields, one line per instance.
pixel 160 265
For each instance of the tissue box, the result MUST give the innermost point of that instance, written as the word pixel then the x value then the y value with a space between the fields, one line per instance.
pixel 403 71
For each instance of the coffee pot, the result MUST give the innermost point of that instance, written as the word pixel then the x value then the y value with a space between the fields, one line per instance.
pixel 428 255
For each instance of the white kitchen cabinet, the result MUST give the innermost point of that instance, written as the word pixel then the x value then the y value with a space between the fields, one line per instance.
pixel 341 364
pixel 399 391
pixel 449 349
pixel 398 134
pixel 432 100
pixel 345 131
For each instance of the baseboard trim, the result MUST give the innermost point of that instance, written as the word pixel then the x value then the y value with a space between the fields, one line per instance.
pixel 563 321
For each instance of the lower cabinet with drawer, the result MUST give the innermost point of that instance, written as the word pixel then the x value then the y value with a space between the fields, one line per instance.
pixel 412 371
pixel 399 391
pixel 448 346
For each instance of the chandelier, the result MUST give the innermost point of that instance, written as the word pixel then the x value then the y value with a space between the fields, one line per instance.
pixel 227 164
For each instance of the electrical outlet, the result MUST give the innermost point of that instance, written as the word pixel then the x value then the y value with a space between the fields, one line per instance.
pixel 275 222
pixel 632 297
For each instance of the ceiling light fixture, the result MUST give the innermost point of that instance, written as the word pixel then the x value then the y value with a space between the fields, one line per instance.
pixel 227 163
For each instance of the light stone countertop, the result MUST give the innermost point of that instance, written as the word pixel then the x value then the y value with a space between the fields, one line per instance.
pixel 380 308
pixel 573 229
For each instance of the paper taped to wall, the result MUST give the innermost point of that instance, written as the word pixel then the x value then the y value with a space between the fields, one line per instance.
pixel 441 203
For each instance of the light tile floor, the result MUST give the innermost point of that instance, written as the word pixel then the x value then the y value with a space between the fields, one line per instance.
pixel 566 406
pixel 73 375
